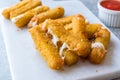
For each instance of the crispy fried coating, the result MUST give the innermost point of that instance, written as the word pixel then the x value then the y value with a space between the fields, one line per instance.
pixel 65 20
pixel 72 37
pixel 103 36
pixel 50 14
pixel 47 50
pixel 6 12
pixel 23 19
pixel 68 19
pixel 26 7
pixel 100 44
pixel 78 24
pixel 97 55
pixel 91 29
pixel 82 46
pixel 77 42
pixel 70 58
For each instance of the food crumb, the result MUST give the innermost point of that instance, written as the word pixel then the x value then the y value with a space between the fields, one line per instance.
pixel 96 70
pixel 18 30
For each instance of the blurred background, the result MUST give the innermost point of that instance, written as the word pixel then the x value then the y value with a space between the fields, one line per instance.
pixel 4 66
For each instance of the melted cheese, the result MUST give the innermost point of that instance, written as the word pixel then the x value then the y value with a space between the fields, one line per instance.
pixel 64 46
pixel 98 45
pixel 55 39
pixel 34 23
pixel 15 19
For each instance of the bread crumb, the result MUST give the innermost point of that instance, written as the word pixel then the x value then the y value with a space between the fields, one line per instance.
pixel 96 70
pixel 18 29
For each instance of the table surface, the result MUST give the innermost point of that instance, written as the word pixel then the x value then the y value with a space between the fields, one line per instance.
pixel 4 65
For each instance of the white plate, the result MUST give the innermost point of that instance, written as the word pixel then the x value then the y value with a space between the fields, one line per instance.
pixel 26 63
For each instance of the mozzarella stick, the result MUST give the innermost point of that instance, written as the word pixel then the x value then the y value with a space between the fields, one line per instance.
pixel 65 53
pixel 82 46
pixel 91 29
pixel 68 19
pixel 30 5
pixel 99 46
pixel 47 50
pixel 70 58
pixel 6 12
pixel 65 20
pixel 23 19
pixel 76 40
pixel 50 14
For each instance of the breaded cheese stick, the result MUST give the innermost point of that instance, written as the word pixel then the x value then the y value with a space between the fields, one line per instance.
pixel 101 37
pixel 76 40
pixel 70 58
pixel 30 5
pixel 65 53
pixel 65 20
pixel 47 50
pixel 23 19
pixel 82 45
pixel 50 14
pixel 99 46
pixel 105 34
pixel 6 12
pixel 91 29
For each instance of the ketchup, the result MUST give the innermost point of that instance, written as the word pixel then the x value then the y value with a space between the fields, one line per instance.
pixel 111 4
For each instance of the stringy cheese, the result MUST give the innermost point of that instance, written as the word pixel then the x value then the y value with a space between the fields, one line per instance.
pixel 14 19
pixel 55 39
pixel 64 46
pixel 34 23
pixel 98 45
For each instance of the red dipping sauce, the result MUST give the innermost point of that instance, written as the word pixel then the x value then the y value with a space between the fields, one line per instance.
pixel 111 4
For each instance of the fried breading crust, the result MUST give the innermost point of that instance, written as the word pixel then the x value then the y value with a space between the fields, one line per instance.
pixel 26 17
pixel 46 49
pixel 50 14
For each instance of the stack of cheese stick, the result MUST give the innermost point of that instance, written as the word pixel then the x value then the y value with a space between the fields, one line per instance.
pixel 64 40
pixel 101 37
pixel 60 40
pixel 22 13
pixel 50 14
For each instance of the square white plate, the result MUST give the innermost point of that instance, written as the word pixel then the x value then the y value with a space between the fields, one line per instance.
pixel 26 63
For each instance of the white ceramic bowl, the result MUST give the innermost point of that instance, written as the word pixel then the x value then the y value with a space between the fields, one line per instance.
pixel 110 18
